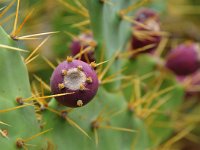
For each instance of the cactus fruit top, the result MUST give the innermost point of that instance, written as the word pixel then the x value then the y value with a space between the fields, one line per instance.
pixel 144 36
pixel 184 59
pixel 83 41
pixel 76 77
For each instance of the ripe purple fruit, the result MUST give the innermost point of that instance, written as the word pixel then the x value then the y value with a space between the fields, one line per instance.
pixel 74 76
pixel 83 41
pixel 147 35
pixel 184 59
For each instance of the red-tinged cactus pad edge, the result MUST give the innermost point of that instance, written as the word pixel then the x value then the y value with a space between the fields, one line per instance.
pixel 184 59
pixel 75 77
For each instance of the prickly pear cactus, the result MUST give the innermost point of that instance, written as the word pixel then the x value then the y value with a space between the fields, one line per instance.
pixel 101 97
pixel 20 120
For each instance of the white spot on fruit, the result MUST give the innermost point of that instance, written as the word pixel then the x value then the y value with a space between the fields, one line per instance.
pixel 74 79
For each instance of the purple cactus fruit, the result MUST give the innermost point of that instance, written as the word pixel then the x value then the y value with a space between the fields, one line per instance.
pixel 146 36
pixel 184 59
pixel 83 41
pixel 74 76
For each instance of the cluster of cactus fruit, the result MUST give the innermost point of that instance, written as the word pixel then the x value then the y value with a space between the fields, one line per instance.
pixel 115 91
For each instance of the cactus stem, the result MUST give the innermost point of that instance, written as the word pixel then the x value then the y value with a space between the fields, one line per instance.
pixel 16 20
pixel 64 72
pixel 69 59
pixel 14 108
pixel 13 48
pixel 36 49
pixel 7 8
pixel 79 103
pixel 45 85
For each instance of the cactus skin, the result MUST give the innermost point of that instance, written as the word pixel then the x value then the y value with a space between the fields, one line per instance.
pixel 15 83
pixel 74 76
pixel 83 41
pixel 184 59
